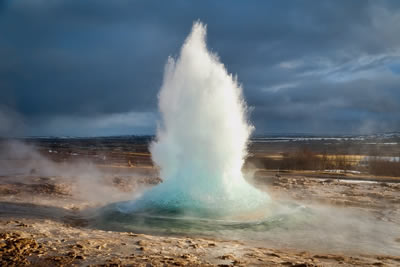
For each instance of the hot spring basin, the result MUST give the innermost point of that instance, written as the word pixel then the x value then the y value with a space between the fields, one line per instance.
pixel 278 225
pixel 178 222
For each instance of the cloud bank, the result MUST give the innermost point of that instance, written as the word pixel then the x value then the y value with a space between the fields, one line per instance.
pixel 315 67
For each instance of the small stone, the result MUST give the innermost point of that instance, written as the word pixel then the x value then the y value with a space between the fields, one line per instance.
pixel 141 243
pixel 71 254
pixel 227 257
pixel 273 255
pixel 143 248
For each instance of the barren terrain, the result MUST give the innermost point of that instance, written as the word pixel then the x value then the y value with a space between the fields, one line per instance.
pixel 47 219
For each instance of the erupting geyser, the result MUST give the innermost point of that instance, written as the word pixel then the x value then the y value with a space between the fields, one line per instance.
pixel 202 139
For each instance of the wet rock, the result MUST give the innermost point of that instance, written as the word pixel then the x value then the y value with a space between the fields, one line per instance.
pixel 142 243
pixel 272 255
pixel 71 254
pixel 15 249
pixel 133 234
pixel 80 257
pixel 227 257
pixel 79 245
pixel 50 189
pixel 195 246
pixel 21 224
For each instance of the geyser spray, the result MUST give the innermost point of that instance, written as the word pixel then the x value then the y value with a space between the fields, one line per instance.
pixel 202 138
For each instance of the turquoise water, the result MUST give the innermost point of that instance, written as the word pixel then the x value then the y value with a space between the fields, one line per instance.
pixel 172 221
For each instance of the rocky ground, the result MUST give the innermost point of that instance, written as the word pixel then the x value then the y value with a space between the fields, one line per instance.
pixel 345 190
pixel 41 224
pixel 44 242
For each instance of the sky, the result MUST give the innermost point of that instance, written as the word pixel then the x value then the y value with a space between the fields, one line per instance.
pixel 94 67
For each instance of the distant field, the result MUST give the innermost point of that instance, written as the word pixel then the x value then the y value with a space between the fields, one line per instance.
pixel 374 154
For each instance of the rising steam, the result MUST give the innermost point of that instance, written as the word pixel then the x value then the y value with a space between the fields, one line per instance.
pixel 202 140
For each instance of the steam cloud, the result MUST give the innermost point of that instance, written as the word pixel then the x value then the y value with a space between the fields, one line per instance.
pixel 90 184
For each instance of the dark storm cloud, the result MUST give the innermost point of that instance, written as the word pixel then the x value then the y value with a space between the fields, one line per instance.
pixel 357 106
pixel 306 66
